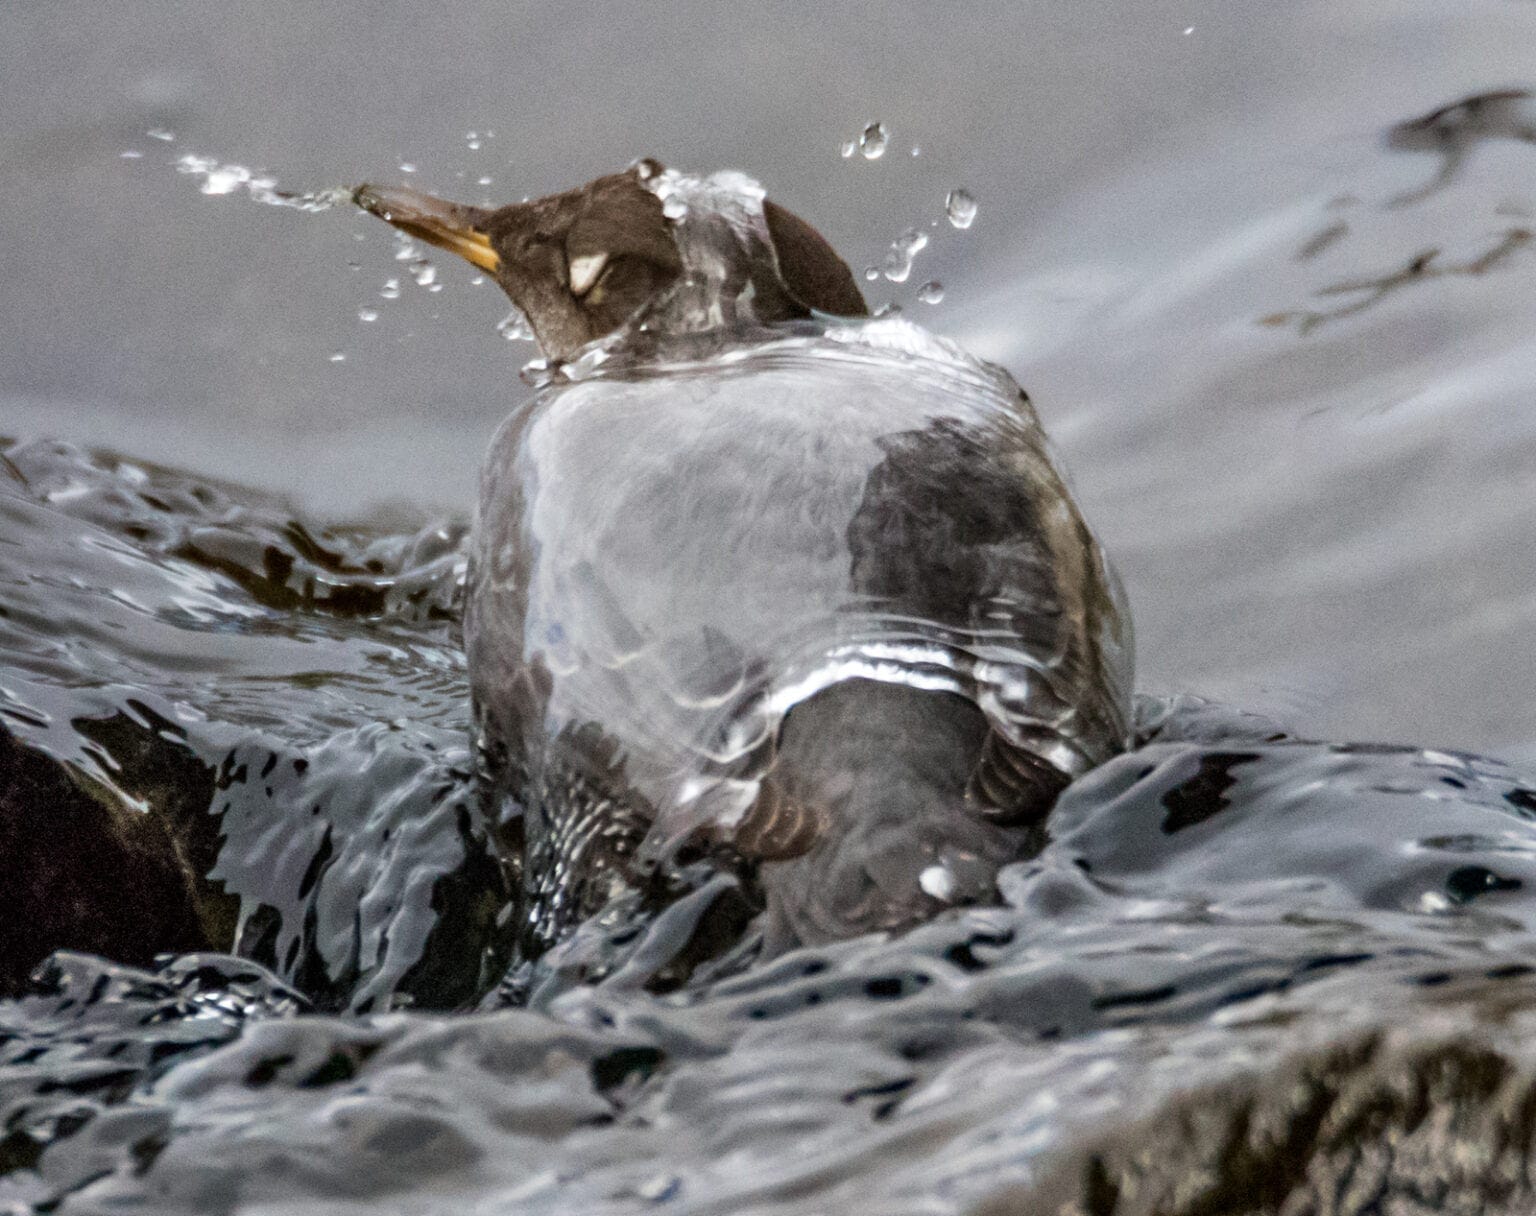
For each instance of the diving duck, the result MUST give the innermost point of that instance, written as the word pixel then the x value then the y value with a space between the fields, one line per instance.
pixel 758 577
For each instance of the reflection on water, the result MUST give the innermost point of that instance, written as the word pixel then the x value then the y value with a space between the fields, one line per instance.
pixel 1366 293
pixel 1454 130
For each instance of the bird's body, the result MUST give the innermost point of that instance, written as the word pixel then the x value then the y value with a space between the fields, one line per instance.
pixel 808 590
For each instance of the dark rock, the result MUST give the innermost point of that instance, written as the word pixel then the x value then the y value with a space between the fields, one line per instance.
pixel 87 870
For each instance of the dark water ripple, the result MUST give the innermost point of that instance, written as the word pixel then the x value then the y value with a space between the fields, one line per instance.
pixel 1234 937
pixel 302 745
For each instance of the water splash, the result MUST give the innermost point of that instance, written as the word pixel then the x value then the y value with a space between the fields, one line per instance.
pixel 960 208
pixel 423 273
pixel 514 327
pixel 537 373
pixel 218 177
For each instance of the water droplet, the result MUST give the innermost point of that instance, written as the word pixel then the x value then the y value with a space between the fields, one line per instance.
pixel 873 140
pixel 906 247
pixel 850 146
pixel 586 366
pixel 916 151
pixel 477 280
pixel 536 373
pixel 931 292
pixel 407 167
pixel 871 273
pixel 131 155
pixel 473 140
pixel 938 882
pixel 515 328
pixel 391 289
pixel 674 208
pixel 405 248
pixel 1188 30
pixel 161 134
pixel 960 207
pixel 423 272
pixel 483 181
pixel 338 357
pixel 367 314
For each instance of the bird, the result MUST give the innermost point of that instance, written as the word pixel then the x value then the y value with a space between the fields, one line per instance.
pixel 760 580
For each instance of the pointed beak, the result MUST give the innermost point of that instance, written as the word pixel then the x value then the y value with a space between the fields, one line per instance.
pixel 451 226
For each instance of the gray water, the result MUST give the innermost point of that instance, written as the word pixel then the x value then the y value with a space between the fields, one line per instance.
pixel 1329 524
pixel 1280 341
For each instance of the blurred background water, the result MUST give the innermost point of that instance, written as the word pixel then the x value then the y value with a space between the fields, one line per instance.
pixel 1331 521
pixel 1270 287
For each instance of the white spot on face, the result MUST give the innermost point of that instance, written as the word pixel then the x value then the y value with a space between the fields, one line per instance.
pixel 584 272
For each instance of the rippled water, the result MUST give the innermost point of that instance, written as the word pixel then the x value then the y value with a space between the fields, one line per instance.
pixel 286 707
pixel 1270 288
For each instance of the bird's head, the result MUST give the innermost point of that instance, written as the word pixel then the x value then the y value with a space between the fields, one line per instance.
pixel 680 252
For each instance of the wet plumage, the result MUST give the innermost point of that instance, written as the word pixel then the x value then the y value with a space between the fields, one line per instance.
pixel 798 593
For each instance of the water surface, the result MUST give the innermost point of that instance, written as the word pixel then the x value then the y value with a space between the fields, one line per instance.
pixel 1273 302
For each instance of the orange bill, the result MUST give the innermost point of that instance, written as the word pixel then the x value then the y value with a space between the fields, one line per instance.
pixel 452 226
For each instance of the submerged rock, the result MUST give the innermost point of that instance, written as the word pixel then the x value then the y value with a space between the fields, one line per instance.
pixel 1426 1109
pixel 86 869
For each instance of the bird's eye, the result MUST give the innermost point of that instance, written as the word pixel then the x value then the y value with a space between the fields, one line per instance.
pixel 585 271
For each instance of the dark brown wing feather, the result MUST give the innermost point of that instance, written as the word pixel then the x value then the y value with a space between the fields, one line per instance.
pixel 810 267
pixel 778 826
pixel 1012 787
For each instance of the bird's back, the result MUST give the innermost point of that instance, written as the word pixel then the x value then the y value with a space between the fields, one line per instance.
pixel 691 556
